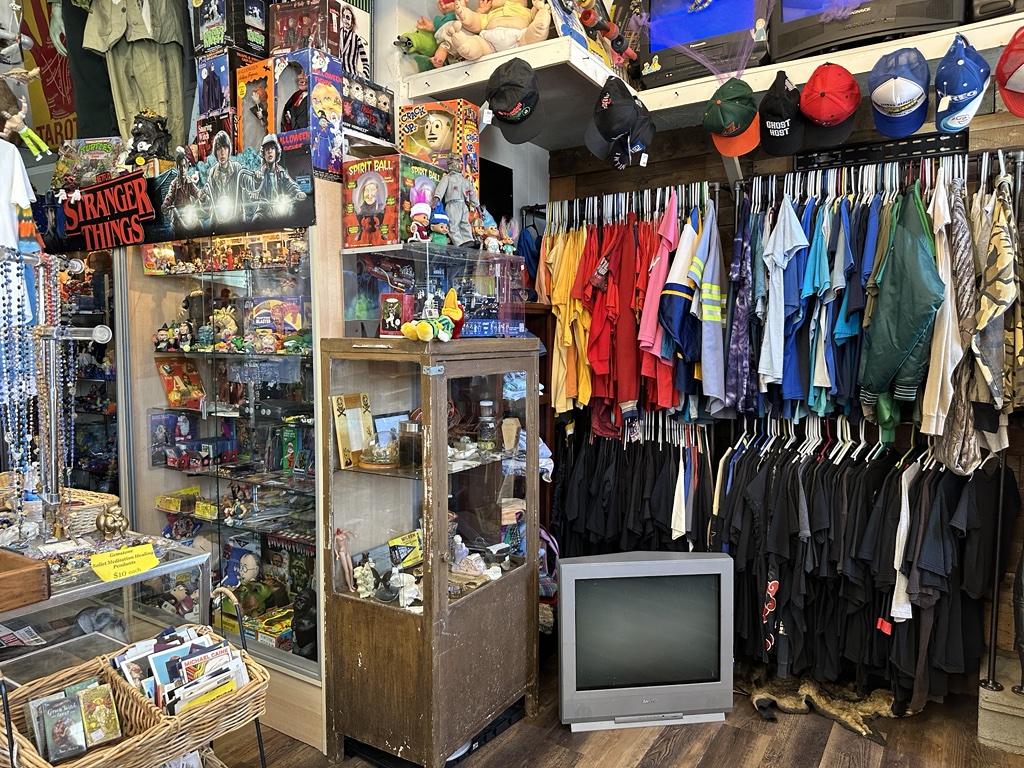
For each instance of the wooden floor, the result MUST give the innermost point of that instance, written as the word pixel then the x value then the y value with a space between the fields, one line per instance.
pixel 943 736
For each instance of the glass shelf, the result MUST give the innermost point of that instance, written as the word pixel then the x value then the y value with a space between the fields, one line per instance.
pixel 302 486
pixel 232 355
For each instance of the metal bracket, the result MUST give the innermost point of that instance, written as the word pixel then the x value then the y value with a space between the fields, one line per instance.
pixel 912 147
pixel 433 370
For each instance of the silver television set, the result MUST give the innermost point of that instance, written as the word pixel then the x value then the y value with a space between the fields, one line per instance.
pixel 645 638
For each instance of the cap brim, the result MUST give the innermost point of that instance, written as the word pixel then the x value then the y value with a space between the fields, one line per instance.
pixel 955 120
pixel 790 144
pixel 903 126
pixel 527 130
pixel 1014 100
pixel 741 143
pixel 596 143
pixel 821 136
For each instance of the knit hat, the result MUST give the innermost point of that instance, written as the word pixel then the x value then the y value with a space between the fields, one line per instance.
pixel 899 84
pixel 731 118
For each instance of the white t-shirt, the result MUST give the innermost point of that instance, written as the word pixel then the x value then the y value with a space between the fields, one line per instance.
pixel 15 190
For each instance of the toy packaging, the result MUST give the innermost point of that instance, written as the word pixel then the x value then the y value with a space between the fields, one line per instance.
pixel 283 315
pixel 254 103
pixel 436 131
pixel 370 204
pixel 368 108
pixel 305 24
pixel 63 729
pixel 308 106
pixel 208 126
pixel 182 384
pixel 222 24
pixel 84 162
pixel 417 181
pixel 395 309
pixel 215 79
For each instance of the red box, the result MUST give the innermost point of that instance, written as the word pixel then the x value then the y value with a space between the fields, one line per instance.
pixel 437 131
pixel 395 309
pixel 305 24
pixel 254 103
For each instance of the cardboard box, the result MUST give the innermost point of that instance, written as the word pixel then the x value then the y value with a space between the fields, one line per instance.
pixel 209 126
pixel 254 103
pixel 310 115
pixel 215 79
pixel 368 108
pixel 284 314
pixel 378 197
pixel 222 24
pixel 305 24
pixel 437 131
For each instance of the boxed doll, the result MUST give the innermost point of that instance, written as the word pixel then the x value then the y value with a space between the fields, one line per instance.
pixel 222 24
pixel 437 131
pixel 308 106
pixel 368 108
pixel 209 126
pixel 340 28
pixel 254 103
pixel 215 79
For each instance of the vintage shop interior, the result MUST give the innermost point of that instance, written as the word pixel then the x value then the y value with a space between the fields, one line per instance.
pixel 471 381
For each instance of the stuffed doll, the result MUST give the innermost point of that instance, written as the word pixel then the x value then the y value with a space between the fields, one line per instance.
pixel 458 195
pixel 453 310
pixel 441 25
pixel 508 25
pixel 430 329
pixel 439 225
pixel 420 45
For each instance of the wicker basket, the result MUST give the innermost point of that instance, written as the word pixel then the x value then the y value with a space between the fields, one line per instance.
pixel 151 736
pixel 84 507
pixel 210 760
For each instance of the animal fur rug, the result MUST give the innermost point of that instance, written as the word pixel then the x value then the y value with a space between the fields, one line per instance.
pixel 841 703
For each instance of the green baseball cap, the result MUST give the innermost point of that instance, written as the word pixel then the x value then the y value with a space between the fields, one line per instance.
pixel 731 118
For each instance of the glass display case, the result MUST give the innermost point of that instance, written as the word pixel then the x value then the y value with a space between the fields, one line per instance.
pixel 386 286
pixel 235 437
pixel 85 616
pixel 431 505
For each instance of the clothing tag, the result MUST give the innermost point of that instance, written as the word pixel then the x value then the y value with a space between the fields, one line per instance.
pixel 643 160
pixel 486 117
pixel 943 104
pixel 884 625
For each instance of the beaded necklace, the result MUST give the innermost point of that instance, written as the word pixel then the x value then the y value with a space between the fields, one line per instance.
pixel 16 360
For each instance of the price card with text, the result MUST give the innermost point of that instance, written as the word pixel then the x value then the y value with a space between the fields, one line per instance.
pixel 121 563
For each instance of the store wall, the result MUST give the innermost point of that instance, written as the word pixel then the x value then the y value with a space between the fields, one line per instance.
pixel 528 162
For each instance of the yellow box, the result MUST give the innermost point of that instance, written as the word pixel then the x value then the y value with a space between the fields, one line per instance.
pixel 407 549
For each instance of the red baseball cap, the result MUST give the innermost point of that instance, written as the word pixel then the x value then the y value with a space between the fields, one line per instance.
pixel 1010 74
pixel 829 101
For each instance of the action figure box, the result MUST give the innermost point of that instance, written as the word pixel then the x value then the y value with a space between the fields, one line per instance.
pixel 181 382
pixel 221 24
pixel 368 108
pixel 209 126
pixel 379 196
pixel 215 79
pixel 437 131
pixel 308 106
pixel 286 314
pixel 254 103
pixel 305 24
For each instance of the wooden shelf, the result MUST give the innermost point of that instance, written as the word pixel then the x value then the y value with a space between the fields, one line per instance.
pixel 569 77
pixel 682 104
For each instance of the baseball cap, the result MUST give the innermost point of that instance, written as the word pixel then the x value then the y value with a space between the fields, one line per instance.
pixel 899 84
pixel 1010 74
pixel 514 98
pixel 829 101
pixel 622 128
pixel 781 121
pixel 731 118
pixel 961 80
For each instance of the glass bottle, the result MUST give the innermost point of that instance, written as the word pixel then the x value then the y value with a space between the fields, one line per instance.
pixel 487 430
pixel 410 447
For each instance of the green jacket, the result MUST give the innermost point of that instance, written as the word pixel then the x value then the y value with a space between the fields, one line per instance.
pixel 109 22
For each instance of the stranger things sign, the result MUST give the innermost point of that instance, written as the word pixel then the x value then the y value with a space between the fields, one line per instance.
pixel 109 214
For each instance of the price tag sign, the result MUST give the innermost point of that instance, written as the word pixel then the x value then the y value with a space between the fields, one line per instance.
pixel 122 563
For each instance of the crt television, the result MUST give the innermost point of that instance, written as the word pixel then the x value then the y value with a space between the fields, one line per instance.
pixel 645 638
pixel 725 32
pixel 797 28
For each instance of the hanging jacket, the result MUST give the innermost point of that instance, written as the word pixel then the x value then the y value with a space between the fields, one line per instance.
pixel 897 345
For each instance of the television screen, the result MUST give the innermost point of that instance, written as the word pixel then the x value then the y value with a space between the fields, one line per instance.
pixel 678 22
pixel 647 631
pixel 801 9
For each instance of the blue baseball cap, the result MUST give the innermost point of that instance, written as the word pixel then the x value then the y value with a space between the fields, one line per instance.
pixel 898 85
pixel 961 80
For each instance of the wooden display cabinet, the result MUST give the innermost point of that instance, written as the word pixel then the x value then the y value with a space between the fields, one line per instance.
pixel 418 678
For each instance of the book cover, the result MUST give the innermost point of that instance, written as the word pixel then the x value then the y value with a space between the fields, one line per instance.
pixel 228 687
pixel 63 729
pixel 182 383
pixel 34 719
pixel 196 665
pixel 72 690
pixel 99 715
pixel 353 424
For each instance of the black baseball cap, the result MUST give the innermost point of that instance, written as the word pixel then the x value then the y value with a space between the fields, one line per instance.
pixel 622 128
pixel 782 122
pixel 514 98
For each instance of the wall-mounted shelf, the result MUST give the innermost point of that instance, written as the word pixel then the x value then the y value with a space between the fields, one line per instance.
pixel 569 78
pixel 682 104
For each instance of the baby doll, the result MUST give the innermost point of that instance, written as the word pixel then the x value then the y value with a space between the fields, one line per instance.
pixel 508 24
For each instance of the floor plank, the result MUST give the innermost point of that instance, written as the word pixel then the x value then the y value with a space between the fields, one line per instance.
pixel 734 748
pixel 846 749
pixel 797 740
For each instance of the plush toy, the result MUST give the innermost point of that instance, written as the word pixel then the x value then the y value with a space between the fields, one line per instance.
pixel 420 45
pixel 453 310
pixel 509 232
pixel 430 329
pixel 491 243
pixel 508 25
pixel 439 225
pixel 440 26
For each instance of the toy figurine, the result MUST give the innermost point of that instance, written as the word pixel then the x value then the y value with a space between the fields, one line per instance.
pixel 453 310
pixel 364 577
pixel 439 226
pixel 204 338
pixel 16 124
pixel 457 193
pixel 419 227
pixel 304 624
pixel 186 336
pixel 341 554
pixel 183 428
pixel 161 339
pixel 491 243
pixel 509 232
pixel 150 138
pixel 509 25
